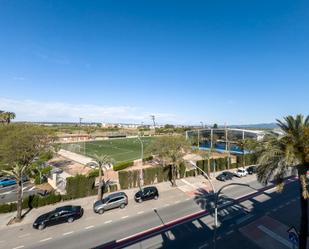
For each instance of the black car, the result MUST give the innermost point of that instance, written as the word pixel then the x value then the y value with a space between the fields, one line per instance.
pixel 59 215
pixel 251 170
pixel 147 193
pixel 226 175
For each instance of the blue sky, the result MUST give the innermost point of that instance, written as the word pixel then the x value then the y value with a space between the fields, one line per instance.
pixel 237 62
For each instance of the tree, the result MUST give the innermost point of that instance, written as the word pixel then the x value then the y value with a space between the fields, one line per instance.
pixel 20 146
pixel 102 161
pixel 215 126
pixel 247 144
pixel 279 153
pixel 170 150
pixel 7 116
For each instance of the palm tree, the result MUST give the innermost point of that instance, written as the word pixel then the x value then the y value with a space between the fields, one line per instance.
pixel 102 161
pixel 18 172
pixel 170 149
pixel 279 153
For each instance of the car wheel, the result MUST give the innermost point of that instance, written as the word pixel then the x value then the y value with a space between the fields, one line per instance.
pixel 70 220
pixel 140 201
pixel 122 206
pixel 101 211
pixel 41 226
pixel 156 197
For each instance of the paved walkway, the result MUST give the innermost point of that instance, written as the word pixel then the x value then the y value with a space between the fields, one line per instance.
pixel 187 186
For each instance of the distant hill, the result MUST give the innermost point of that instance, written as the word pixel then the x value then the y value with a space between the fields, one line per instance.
pixel 256 126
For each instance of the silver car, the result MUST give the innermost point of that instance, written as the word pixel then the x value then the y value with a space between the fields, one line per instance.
pixel 115 200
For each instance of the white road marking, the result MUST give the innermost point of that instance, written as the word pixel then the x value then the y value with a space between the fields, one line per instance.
pixel 89 218
pixel 281 206
pixel 275 236
pixel 274 209
pixel 166 205
pixel 43 240
pixel 124 217
pixel 64 234
pixel 288 203
pixel 229 232
pixel 203 246
pixel 140 212
pixel 188 200
pixel 89 227
pixel 24 235
pixel 218 238
pixel 18 247
pixel 293 200
pixel 109 221
pixel 176 202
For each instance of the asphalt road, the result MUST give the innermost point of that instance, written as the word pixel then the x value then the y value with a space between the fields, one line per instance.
pixel 93 230
pixel 8 194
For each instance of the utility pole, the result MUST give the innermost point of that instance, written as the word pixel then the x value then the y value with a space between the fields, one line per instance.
pixel 153 117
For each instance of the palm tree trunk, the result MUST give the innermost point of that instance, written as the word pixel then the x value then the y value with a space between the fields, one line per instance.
pixel 100 183
pixel 304 210
pixel 19 199
pixel 174 176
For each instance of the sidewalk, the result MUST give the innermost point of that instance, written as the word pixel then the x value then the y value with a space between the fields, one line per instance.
pixel 186 185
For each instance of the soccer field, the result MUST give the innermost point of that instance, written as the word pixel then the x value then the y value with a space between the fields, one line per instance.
pixel 125 149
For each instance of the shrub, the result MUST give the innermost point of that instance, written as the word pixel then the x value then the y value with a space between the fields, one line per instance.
pixel 182 170
pixel 122 165
pixel 150 175
pixel 123 179
pixel 149 158
pixel 190 173
pixel 80 186
pixel 113 188
pixel 94 173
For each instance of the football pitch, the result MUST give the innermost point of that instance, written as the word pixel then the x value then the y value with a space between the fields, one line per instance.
pixel 120 149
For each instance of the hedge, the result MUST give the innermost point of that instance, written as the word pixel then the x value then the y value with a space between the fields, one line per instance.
pixel 33 201
pixel 80 186
pixel 122 165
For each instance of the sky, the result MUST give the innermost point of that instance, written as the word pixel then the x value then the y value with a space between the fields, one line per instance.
pixel 186 62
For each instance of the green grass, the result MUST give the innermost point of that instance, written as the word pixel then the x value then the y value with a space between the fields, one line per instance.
pixel 126 149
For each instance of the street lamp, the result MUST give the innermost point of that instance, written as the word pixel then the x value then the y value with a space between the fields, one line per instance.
pixel 142 157
pixel 216 206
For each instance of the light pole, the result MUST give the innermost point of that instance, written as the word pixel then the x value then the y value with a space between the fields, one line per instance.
pixel 142 157
pixel 202 124
pixel 216 206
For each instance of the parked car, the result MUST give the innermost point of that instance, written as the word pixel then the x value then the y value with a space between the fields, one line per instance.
pixel 226 175
pixel 241 172
pixel 147 193
pixel 115 200
pixel 8 181
pixel 59 215
pixel 251 170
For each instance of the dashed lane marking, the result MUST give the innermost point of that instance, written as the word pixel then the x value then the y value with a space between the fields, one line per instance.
pixel 274 209
pixel 203 246
pixel 64 234
pixel 89 227
pixel 229 232
pixel 176 202
pixel 166 205
pixel 18 247
pixel 281 206
pixel 124 217
pixel 24 235
pixel 218 238
pixel 43 240
pixel 140 212
pixel 108 221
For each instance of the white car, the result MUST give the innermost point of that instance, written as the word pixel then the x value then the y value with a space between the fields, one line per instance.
pixel 241 172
